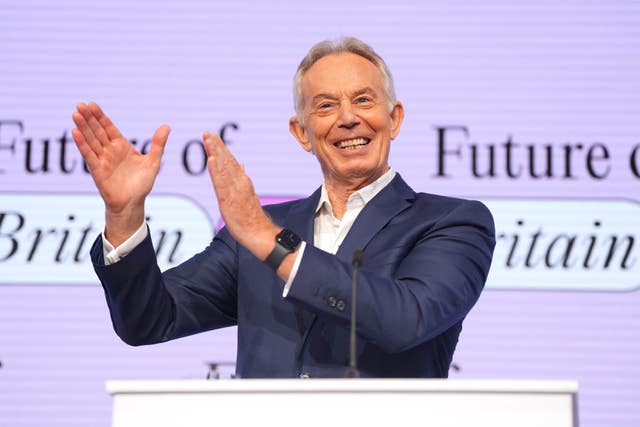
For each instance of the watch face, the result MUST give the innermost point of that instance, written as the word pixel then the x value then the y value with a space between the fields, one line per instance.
pixel 288 239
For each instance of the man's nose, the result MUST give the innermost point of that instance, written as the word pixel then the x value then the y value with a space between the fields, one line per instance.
pixel 347 117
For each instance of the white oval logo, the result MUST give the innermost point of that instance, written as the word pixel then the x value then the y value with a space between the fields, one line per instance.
pixel 573 244
pixel 45 238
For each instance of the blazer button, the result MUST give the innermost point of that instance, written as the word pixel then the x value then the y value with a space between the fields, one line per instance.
pixel 341 305
pixel 331 301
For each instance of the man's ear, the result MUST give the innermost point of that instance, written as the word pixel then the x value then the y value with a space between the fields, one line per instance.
pixel 397 116
pixel 300 133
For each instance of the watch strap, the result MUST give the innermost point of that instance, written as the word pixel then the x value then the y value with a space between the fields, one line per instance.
pixel 277 255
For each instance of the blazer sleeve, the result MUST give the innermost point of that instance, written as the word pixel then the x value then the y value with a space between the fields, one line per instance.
pixel 413 292
pixel 147 306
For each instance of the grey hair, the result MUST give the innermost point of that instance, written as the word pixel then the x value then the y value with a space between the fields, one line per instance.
pixel 342 45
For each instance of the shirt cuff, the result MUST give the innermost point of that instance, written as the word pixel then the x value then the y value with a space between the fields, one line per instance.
pixel 113 255
pixel 294 270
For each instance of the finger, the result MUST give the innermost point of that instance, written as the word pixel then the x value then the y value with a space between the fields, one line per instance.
pixel 218 165
pixel 112 131
pixel 209 143
pixel 96 128
pixel 158 142
pixel 87 133
pixel 218 151
pixel 85 149
pixel 212 148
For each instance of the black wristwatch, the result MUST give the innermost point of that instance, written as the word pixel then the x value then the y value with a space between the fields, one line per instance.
pixel 286 242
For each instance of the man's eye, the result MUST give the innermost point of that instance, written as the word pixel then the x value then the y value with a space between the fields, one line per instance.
pixel 324 105
pixel 362 100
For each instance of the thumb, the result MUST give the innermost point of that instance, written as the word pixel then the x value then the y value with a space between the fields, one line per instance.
pixel 158 141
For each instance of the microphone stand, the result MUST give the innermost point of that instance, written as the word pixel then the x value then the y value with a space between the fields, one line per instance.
pixel 352 371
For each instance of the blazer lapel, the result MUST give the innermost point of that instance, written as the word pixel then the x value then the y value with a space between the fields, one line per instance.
pixel 392 200
pixel 300 217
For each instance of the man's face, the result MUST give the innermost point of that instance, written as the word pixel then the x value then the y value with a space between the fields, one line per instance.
pixel 347 122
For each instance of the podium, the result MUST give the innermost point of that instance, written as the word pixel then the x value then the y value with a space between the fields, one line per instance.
pixel 344 402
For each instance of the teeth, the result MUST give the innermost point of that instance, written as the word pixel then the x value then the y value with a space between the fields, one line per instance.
pixel 352 143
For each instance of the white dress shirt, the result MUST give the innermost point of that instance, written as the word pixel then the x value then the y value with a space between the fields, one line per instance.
pixel 328 231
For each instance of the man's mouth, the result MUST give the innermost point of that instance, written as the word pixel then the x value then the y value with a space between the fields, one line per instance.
pixel 352 144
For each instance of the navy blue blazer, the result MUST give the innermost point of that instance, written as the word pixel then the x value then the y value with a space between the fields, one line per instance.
pixel 426 259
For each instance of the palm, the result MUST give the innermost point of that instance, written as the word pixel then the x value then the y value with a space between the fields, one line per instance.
pixel 123 175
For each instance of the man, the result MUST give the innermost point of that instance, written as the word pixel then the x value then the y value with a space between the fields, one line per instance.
pixel 283 273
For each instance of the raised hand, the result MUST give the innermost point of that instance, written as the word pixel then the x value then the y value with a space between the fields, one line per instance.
pixel 237 201
pixel 123 175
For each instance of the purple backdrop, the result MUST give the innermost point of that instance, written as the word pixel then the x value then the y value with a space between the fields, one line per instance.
pixel 551 81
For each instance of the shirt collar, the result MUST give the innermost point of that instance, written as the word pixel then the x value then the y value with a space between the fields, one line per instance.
pixel 365 194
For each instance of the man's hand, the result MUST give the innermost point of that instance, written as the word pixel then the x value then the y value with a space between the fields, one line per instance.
pixel 238 203
pixel 122 174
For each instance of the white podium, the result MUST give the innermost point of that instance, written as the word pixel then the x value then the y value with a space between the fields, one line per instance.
pixel 344 402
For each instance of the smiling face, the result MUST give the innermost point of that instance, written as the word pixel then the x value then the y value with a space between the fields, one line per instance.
pixel 347 122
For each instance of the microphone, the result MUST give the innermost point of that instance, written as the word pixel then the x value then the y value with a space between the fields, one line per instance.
pixel 356 263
